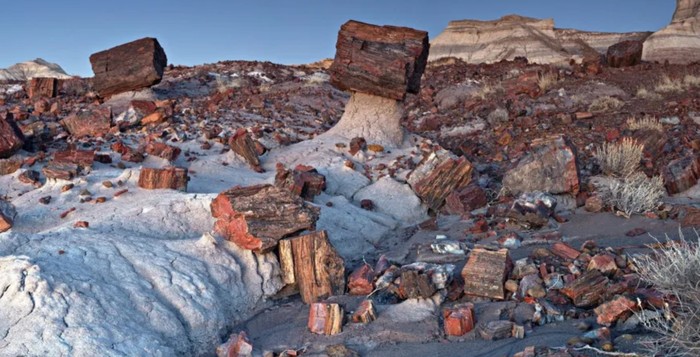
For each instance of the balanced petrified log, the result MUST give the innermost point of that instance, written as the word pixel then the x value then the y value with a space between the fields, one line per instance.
pixel 311 262
pixel 485 273
pixel 11 138
pixel 131 66
pixel 587 290
pixel 325 318
pixel 171 177
pixel 303 181
pixel 439 175
pixel 94 122
pixel 386 61
pixel 257 217
pixel 43 87
pixel 242 144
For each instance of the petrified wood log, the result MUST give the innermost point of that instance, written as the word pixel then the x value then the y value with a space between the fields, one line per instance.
pixel 242 144
pixel 485 273
pixel 172 177
pixel 257 217
pixel 303 181
pixel 43 87
pixel 361 281
pixel 89 123
pixel 459 320
pixel 11 138
pixel 386 61
pixel 439 175
pixel 238 345
pixel 415 284
pixel 587 289
pixel 325 318
pixel 318 270
pixel 131 66
pixel 365 313
pixel 163 150
pixel 682 174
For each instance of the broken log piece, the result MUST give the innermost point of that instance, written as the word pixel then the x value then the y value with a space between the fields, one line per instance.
pixel 682 174
pixel 386 61
pixel 237 345
pixel 131 66
pixel 459 320
pixel 257 217
pixel 587 290
pixel 95 122
pixel 319 270
pixel 415 284
pixel 42 87
pixel 325 318
pixel 496 330
pixel 437 176
pixel 11 138
pixel 59 170
pixel 564 251
pixel 303 181
pixel 485 273
pixel 361 281
pixel 286 258
pixel 172 177
pixel 128 153
pixel 162 150
pixel 242 144
pixel 611 311
pixel 365 313
pixel 82 158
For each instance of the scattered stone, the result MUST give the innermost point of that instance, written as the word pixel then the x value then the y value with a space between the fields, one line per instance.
pixel 375 148
pixel 95 122
pixel 361 281
pixel 604 263
pixel 303 181
pixel 9 166
pixel 625 54
pixel 325 318
pixel 588 289
pixel 128 67
pixel 682 174
pixel 67 187
pixel 67 212
pixel 30 177
pixel 365 313
pixel 357 144
pixel 611 311
pixel 162 150
pixel 81 224
pixel 120 192
pixel 7 215
pixel 485 273
pixel 45 200
pixel 11 138
pixel 242 144
pixel 257 217
pixel 533 209
pixel 154 118
pixel 635 232
pixel 594 204
pixel 415 284
pixel 107 184
pixel 583 115
pixel 467 199
pixel 237 345
pixel 496 330
pixel 172 177
pixel 459 320
pixel 367 204
pixel 564 251
pixel 438 176
pixel 340 351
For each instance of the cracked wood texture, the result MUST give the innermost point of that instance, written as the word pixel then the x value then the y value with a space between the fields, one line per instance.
pixel 11 138
pixel 131 66
pixel 43 87
pixel 441 177
pixel 257 217
pixel 485 273
pixel 386 61
pixel 172 177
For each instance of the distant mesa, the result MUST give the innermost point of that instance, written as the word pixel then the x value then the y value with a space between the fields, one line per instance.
pixel 37 68
pixel 513 36
pixel 679 42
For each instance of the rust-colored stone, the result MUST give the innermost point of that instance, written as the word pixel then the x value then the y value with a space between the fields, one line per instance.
pixel 386 61
pixel 11 138
pixel 587 290
pixel 604 263
pixel 361 281
pixel 485 273
pixel 172 177
pixel 466 200
pixel 415 284
pixel 8 166
pixel 163 150
pixel 365 313
pixel 682 174
pixel 237 345
pixel 564 251
pixel 242 144
pixel 625 53
pixel 325 318
pixel 303 181
pixel 459 320
pixel 319 270
pixel 611 311
pixel 96 122
pixel 42 87
pixel 438 176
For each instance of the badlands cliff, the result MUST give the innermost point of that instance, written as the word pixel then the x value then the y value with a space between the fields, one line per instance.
pixel 30 69
pixel 679 42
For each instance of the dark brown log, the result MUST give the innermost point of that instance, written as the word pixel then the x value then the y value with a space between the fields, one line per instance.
pixel 496 330
pixel 242 144
pixel 131 66
pixel 43 87
pixel 303 181
pixel 172 177
pixel 625 53
pixel 365 313
pixel 438 176
pixel 325 318
pixel 257 217
pixel 416 284
pixel 319 270
pixel 11 138
pixel 485 273
pixel 587 290
pixel 682 174
pixel 386 61
pixel 94 122
pixel 163 150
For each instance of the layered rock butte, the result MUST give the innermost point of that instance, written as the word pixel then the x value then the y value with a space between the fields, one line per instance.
pixel 679 42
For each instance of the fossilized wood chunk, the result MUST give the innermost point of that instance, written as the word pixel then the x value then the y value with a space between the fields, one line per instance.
pixel 11 138
pixel 131 66
pixel 163 150
pixel 325 318
pixel 459 320
pixel 303 181
pixel 386 61
pixel 587 289
pixel 242 144
pixel 94 122
pixel 625 54
pixel 43 87
pixel 172 177
pixel 485 273
pixel 237 345
pixel 682 174
pixel 438 176
pixel 365 313
pixel 257 217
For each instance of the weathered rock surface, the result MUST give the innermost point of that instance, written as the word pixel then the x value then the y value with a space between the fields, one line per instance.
pixel 386 61
pixel 11 138
pixel 679 42
pixel 43 87
pixel 257 217
pixel 303 181
pixel 625 54
pixel 485 273
pixel 682 174
pixel 438 176
pixel 319 271
pixel 131 66
pixel 95 122
pixel 242 144
pixel 550 167
pixel 171 177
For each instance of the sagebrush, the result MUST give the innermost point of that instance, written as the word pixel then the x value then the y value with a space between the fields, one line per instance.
pixel 620 159
pixel 635 193
pixel 605 104
pixel 647 122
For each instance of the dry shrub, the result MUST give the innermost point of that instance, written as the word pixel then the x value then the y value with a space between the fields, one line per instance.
pixel 635 193
pixel 643 93
pixel 674 270
pixel 605 104
pixel 620 159
pixel 668 85
pixel 647 122
pixel 691 81
pixel 546 80
pixel 489 89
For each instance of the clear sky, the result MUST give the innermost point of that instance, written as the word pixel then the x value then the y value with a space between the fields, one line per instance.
pixel 283 31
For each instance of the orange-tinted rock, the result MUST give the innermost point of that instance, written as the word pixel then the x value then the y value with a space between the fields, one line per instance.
pixel 257 217
pixel 361 281
pixel 5 221
pixel 386 61
pixel 605 263
pixel 459 320
pixel 325 318
pixel 128 153
pixel 365 313
pixel 153 118
pixel 609 312
pixel 319 271
pixel 237 345
pixel 8 166
pixel 163 150
pixel 131 66
pixel 587 290
pixel 95 122
pixel 564 251
pixel 682 174
pixel 438 176
pixel 172 177
pixel 485 273
pixel 11 138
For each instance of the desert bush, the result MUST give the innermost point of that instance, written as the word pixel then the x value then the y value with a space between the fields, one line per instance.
pixel 605 104
pixel 674 270
pixel 643 93
pixel 546 80
pixel 635 193
pixel 690 81
pixel 489 89
pixel 647 122
pixel 620 159
pixel 668 85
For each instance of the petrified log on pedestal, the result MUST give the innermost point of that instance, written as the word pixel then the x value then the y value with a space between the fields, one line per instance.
pixel 257 217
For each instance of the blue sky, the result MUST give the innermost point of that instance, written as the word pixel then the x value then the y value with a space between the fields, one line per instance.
pixel 282 31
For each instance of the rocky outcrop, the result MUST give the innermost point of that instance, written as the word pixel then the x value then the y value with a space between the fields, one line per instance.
pixel 517 36
pixel 679 42
pixel 37 68
pixel 11 138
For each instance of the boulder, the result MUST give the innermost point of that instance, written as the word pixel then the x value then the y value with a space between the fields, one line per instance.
pixel 11 138
pixel 131 66
pixel 95 122
pixel 385 61
pixel 43 87
pixel 679 42
pixel 625 54
pixel 550 167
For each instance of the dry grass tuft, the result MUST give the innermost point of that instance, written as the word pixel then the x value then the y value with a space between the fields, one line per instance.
pixel 605 104
pixel 489 89
pixel 643 93
pixel 647 122
pixel 620 159
pixel 635 193
pixel 546 80
pixel 674 271
pixel 668 85
pixel 691 81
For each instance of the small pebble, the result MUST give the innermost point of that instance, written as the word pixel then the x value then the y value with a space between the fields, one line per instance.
pixel 45 200
pixel 107 184
pixel 67 187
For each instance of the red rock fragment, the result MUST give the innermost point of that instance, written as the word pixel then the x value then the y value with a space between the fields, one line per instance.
pixel 361 281
pixel 604 263
pixel 43 87
pixel 242 144
pixel 612 311
pixel 172 177
pixel 564 251
pixel 682 174
pixel 11 138
pixel 587 290
pixel 357 144
pixel 81 224
pixel 5 220
pixel 365 313
pixel 95 122
pixel 463 201
pixel 303 181
pixel 325 318
pixel 66 213
pixel 691 217
pixel 459 320
pixel 237 345
pixel 162 150
pixel 8 166
pixel 438 176
pixel 153 118
pixel 485 273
